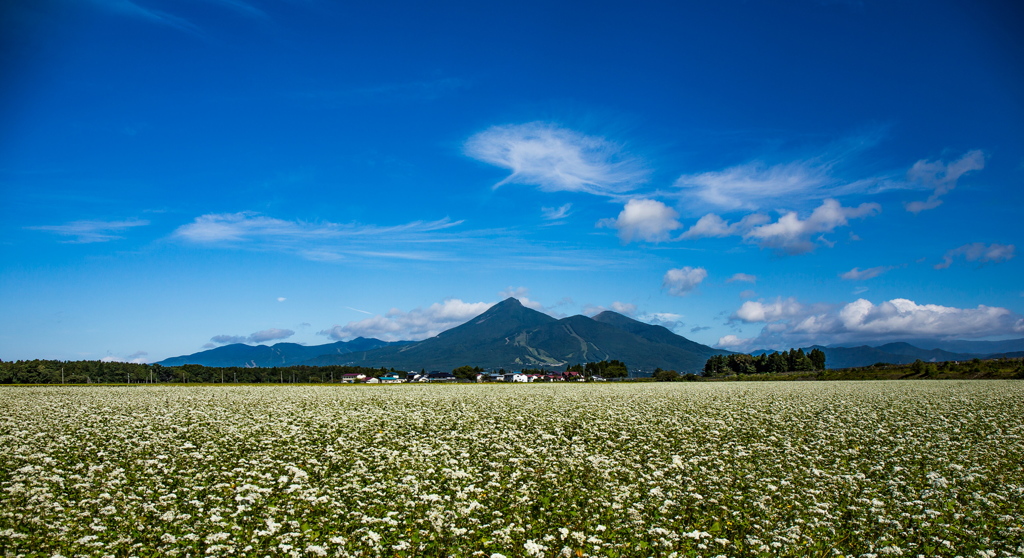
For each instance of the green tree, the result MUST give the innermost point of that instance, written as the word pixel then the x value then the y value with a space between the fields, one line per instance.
pixel 666 375
pixel 817 357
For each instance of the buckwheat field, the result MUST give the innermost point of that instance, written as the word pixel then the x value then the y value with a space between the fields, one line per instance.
pixel 682 469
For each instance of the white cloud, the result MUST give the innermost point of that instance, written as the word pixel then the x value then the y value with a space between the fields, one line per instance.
pixel 744 277
pixel 856 274
pixel 789 323
pixel 941 177
pixel 748 294
pixel 753 185
pixel 522 294
pixel 713 226
pixel 680 282
pixel 624 308
pixel 979 252
pixel 86 232
pixel 647 220
pixel 228 339
pixel 414 325
pixel 556 213
pixel 733 342
pixel 319 241
pixel 665 319
pixel 789 234
pixel 281 299
pixel 757 311
pixel 556 159
pixel 271 334
pixel 792 236
pixel 134 358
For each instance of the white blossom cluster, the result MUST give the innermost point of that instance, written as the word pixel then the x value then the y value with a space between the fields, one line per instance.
pixel 866 469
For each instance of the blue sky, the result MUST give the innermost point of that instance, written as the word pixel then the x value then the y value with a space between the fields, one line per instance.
pixel 177 175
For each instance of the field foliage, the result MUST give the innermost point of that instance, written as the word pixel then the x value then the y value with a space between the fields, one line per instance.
pixel 685 469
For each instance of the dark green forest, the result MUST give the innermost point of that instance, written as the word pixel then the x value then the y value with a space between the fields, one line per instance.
pixel 793 360
pixel 789 365
pixel 97 372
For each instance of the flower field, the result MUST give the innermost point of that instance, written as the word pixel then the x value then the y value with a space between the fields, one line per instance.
pixel 674 469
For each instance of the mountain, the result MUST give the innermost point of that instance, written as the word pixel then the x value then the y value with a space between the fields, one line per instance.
pixel 973 347
pixel 890 353
pixel 511 336
pixel 281 354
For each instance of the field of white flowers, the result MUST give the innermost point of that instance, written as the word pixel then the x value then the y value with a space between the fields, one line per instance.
pixel 677 469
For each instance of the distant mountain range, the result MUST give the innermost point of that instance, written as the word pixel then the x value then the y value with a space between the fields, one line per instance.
pixel 508 335
pixel 511 336
pixel 281 354
pixel 905 353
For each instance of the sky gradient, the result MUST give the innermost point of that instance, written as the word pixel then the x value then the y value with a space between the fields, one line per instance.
pixel 177 175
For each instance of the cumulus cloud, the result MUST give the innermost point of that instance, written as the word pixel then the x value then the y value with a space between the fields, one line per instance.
pixel 682 281
pixel 744 277
pixel 790 323
pixel 281 299
pixel 714 226
pixel 557 159
pixel 271 334
pixel 624 308
pixel 647 220
pixel 87 232
pixel 415 325
pixel 857 274
pixel 791 235
pixel 758 311
pixel 979 252
pixel 941 177
pixel 556 213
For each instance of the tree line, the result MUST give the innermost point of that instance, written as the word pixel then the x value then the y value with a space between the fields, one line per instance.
pixel 99 372
pixel 793 360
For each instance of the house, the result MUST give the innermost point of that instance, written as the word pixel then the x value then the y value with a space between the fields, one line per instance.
pixel 516 377
pixel 434 377
pixel 352 378
pixel 390 378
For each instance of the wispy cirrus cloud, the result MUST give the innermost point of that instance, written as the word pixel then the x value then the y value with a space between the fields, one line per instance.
pixel 319 241
pixel 979 252
pixel 742 277
pixel 556 213
pixel 941 177
pixel 128 8
pixel 555 159
pixel 86 232
pixel 790 323
pixel 858 274
pixel 758 184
